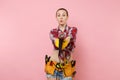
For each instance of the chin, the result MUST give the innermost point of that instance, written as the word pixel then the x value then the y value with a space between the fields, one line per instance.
pixel 61 23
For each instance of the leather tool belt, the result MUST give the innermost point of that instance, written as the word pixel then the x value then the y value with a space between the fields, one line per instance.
pixel 67 68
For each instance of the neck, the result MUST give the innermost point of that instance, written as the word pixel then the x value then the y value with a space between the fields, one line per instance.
pixel 62 26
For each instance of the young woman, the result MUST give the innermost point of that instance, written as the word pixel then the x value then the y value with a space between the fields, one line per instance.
pixel 60 65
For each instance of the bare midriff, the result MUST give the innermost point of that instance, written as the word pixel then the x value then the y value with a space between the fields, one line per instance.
pixel 54 56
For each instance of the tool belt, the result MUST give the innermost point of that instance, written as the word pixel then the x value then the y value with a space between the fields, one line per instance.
pixel 67 68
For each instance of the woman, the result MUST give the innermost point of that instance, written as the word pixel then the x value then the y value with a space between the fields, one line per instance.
pixel 60 65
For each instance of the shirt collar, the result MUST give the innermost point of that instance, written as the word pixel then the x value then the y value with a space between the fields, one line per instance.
pixel 66 28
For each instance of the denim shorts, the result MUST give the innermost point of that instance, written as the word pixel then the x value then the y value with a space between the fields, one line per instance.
pixel 59 75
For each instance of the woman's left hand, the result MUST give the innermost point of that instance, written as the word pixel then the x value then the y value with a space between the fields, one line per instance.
pixel 66 42
pixel 67 39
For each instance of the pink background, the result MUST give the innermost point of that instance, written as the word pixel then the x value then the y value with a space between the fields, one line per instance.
pixel 24 37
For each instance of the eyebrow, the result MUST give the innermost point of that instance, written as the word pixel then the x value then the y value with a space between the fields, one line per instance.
pixel 62 13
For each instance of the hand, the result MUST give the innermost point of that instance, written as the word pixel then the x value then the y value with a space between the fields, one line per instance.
pixel 67 39
pixel 61 35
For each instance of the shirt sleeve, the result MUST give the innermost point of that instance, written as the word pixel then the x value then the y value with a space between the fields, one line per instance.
pixel 53 36
pixel 72 33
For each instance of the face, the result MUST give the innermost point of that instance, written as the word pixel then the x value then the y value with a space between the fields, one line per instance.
pixel 62 17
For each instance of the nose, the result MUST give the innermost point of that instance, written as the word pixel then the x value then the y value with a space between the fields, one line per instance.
pixel 61 18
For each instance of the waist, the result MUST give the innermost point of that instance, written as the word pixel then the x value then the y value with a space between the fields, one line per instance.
pixel 64 50
pixel 59 66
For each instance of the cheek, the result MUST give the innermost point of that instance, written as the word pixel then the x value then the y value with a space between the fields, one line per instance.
pixel 57 18
pixel 65 19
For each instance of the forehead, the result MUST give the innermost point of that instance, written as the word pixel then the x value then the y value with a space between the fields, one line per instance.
pixel 61 12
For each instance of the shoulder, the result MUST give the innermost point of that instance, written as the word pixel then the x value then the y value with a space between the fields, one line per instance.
pixel 54 30
pixel 73 29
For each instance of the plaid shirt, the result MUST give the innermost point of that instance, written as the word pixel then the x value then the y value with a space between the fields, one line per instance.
pixel 69 31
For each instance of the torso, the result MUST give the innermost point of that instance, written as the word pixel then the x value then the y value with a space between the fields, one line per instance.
pixel 54 56
pixel 55 33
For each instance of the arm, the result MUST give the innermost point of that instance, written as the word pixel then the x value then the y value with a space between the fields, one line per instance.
pixel 73 33
pixel 71 38
pixel 54 38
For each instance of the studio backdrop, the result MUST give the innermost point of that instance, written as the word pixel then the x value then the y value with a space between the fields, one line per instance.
pixel 24 37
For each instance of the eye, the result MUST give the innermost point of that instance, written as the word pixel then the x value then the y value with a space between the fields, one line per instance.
pixel 64 15
pixel 58 15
